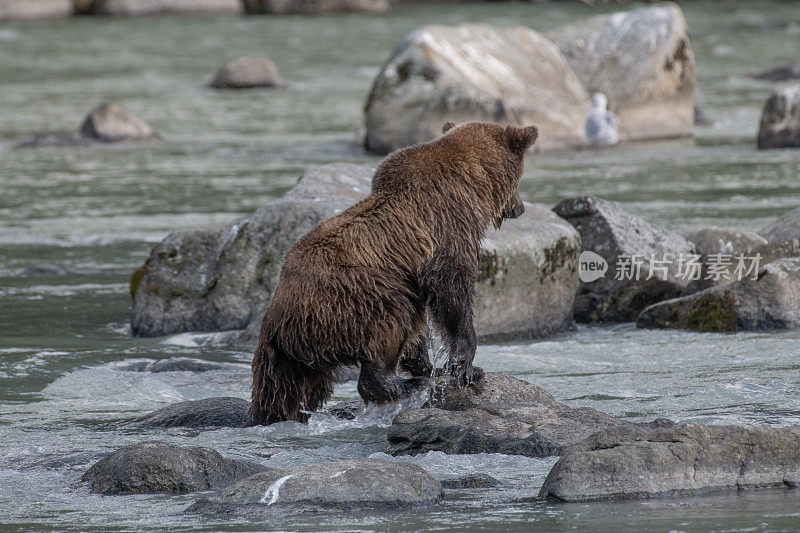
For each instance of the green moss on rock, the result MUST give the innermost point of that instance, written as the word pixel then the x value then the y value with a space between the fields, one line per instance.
pixel 136 279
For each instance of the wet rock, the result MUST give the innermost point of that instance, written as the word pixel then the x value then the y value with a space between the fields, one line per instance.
pixel 47 269
pixel 786 72
pixel 715 241
pixel 352 484
pixel 223 279
pixel 347 409
pixel 110 123
pixel 246 73
pixel 701 118
pixel 643 62
pixel 500 414
pixel 785 228
pixel 173 364
pixel 627 462
pixel 158 467
pixel 472 481
pixel 475 72
pixel 34 9
pixel 771 301
pixel 315 7
pixel 153 7
pixel 51 140
pixel 623 239
pixel 209 412
pixel 780 120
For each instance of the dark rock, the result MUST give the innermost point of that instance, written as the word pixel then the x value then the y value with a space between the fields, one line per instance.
pixel 780 120
pixel 616 235
pixel 771 301
pixel 500 414
pixel 158 467
pixel 246 73
pixel 153 7
pixel 51 140
pixel 785 228
pixel 347 409
pixel 472 481
pixel 629 462
pixel 209 412
pixel 701 118
pixel 110 123
pixel 352 484
pixel 315 7
pixel 47 269
pixel 174 364
pixel 787 72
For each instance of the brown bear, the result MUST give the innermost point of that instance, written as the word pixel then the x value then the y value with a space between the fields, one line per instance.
pixel 355 289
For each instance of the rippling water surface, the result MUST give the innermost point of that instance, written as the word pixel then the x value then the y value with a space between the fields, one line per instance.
pixel 96 211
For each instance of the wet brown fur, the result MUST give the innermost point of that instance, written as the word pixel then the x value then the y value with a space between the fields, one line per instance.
pixel 355 289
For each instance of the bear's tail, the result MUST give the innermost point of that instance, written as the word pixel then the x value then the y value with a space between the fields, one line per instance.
pixel 284 389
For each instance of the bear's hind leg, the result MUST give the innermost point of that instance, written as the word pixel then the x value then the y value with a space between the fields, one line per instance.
pixel 378 383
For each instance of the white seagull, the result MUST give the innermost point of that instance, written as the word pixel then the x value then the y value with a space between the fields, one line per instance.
pixel 601 125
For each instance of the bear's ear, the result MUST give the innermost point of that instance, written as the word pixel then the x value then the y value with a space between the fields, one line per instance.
pixel 520 139
pixel 448 126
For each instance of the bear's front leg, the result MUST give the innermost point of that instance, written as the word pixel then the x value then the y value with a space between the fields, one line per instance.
pixel 449 283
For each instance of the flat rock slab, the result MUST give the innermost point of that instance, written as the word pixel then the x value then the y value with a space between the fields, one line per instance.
pixel 500 414
pixel 209 412
pixel 352 484
pixel 159 467
pixel 628 462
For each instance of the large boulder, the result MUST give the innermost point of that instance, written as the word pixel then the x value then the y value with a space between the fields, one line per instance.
pixel 720 242
pixel 627 462
pixel 34 9
pixel 223 278
pixel 785 228
pixel 315 7
pixel 643 62
pixel 151 7
pixel 499 414
pixel 110 123
pixel 780 120
pixel 247 73
pixel 624 241
pixel 766 299
pixel 208 412
pixel 474 72
pixel 352 484
pixel 159 467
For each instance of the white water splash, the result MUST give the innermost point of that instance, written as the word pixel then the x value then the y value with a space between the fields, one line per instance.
pixel 273 492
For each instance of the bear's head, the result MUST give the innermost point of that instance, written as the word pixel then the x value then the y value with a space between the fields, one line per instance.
pixel 500 150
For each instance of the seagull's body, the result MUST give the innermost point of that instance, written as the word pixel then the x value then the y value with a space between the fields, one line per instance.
pixel 601 125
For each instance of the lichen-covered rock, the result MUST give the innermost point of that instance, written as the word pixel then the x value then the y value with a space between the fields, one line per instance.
pixel 474 72
pixel 771 301
pixel 352 484
pixel 34 9
pixel 158 467
pixel 110 123
pixel 152 7
pixel 624 240
pixel 208 412
pixel 627 462
pixel 643 62
pixel 223 279
pixel 500 414
pixel 780 120
pixel 246 73
pixel 315 7
pixel 785 228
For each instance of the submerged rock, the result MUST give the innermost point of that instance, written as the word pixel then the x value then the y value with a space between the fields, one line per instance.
pixel 474 72
pixel 643 62
pixel 34 9
pixel 352 484
pixel 315 7
pixel 780 120
pixel 209 412
pixel 52 140
pixel 785 228
pixel 627 462
pixel 110 123
pixel 500 414
pixel 152 7
pixel 787 72
pixel 627 244
pixel 246 73
pixel 770 301
pixel 223 278
pixel 158 467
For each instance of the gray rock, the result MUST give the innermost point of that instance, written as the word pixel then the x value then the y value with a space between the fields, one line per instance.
pixel 618 236
pixel 223 278
pixel 643 62
pixel 175 364
pixel 716 241
pixel 158 467
pixel 785 228
pixel 315 7
pixel 500 414
pixel 352 484
pixel 209 412
pixel 153 7
pixel 771 301
pixel 780 120
pixel 110 123
pixel 51 140
pixel 787 72
pixel 626 462
pixel 246 73
pixel 34 9
pixel 472 481
pixel 701 118
pixel 475 72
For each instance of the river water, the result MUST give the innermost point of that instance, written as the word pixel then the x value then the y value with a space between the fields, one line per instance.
pixel 96 211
